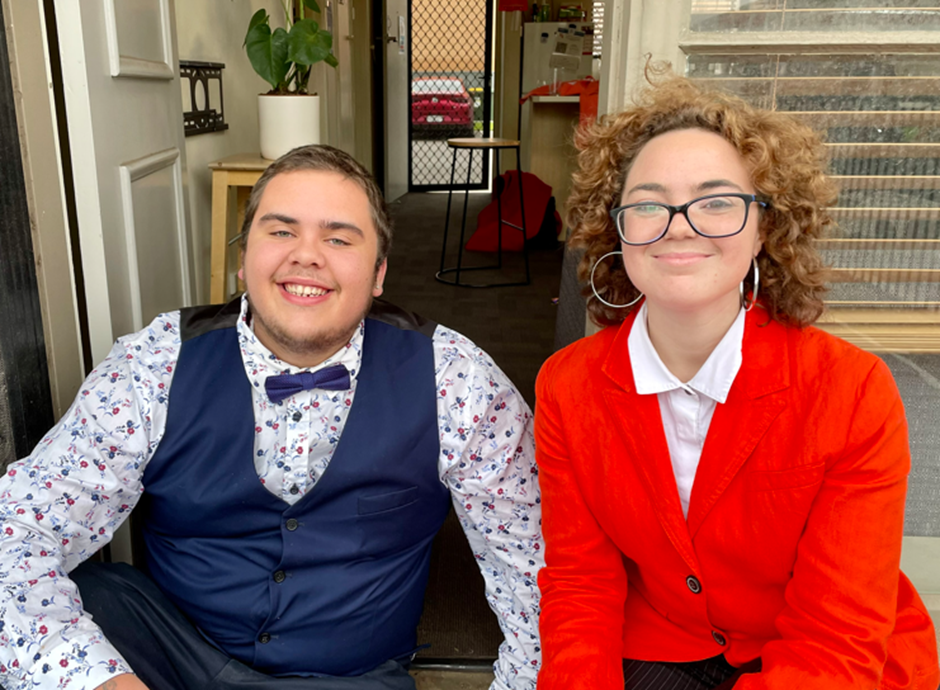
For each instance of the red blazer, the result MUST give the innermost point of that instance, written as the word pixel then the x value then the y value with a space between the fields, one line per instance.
pixel 793 535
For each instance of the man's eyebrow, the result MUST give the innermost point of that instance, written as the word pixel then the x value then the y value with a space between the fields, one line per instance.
pixel 279 217
pixel 342 225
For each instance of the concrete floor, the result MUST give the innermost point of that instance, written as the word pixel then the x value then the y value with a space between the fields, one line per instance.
pixel 436 679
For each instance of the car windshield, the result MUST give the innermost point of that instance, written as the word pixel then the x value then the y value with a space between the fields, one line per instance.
pixel 436 86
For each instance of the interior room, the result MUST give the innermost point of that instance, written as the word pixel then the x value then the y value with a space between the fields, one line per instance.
pixel 131 137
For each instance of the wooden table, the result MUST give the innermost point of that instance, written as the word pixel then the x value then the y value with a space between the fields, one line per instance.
pixel 547 130
pixel 238 172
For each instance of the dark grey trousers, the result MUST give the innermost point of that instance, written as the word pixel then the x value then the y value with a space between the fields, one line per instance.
pixel 709 674
pixel 168 653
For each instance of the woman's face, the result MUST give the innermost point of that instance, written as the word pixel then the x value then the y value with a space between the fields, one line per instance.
pixel 683 271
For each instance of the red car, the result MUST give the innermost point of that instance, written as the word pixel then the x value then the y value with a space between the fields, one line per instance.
pixel 441 107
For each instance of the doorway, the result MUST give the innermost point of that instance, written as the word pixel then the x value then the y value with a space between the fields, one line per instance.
pixel 451 79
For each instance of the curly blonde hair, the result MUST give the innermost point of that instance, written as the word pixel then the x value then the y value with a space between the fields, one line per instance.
pixel 786 160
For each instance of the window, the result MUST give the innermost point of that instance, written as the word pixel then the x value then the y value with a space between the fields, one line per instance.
pixel 868 77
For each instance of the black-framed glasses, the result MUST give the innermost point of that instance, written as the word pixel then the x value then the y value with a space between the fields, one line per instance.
pixel 714 215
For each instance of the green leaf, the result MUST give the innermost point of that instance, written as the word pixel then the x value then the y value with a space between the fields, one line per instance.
pixel 308 44
pixel 332 61
pixel 268 53
pixel 259 17
pixel 312 4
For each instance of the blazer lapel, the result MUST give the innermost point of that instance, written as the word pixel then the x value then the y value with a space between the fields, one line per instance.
pixel 640 426
pixel 756 399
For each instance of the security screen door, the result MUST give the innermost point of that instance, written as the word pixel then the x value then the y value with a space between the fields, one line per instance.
pixel 451 88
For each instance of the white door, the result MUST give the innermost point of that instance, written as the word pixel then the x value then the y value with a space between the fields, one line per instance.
pixel 125 121
pixel 397 98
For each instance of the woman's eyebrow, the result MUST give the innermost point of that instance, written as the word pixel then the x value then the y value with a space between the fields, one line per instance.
pixel 715 184
pixel 647 187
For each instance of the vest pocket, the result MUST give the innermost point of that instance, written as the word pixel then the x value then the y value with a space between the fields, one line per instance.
pixel 389 501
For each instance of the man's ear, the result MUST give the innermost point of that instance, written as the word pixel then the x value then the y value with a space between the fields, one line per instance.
pixel 380 278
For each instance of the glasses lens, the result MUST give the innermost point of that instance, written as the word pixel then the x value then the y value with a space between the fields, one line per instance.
pixel 642 223
pixel 718 216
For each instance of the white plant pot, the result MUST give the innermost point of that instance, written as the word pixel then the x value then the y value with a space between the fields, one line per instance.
pixel 287 122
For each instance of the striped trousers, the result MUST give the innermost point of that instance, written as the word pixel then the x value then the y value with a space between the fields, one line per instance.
pixel 709 674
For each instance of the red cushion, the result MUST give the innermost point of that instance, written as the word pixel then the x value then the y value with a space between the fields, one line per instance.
pixel 536 194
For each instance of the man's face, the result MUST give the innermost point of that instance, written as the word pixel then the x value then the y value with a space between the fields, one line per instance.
pixel 309 264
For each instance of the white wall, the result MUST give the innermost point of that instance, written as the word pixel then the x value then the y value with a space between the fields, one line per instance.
pixel 213 31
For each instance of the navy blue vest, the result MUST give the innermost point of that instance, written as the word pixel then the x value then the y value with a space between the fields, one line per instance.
pixel 334 584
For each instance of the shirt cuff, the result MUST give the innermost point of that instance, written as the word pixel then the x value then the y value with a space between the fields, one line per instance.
pixel 86 662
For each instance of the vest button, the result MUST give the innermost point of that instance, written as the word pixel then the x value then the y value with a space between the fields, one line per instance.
pixel 297 417
pixel 719 638
pixel 279 576
pixel 694 585
pixel 292 524
pixel 264 638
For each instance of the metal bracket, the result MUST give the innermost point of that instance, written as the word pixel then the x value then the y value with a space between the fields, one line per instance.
pixel 199 120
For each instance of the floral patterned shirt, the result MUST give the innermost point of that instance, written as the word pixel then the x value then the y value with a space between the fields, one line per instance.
pixel 63 502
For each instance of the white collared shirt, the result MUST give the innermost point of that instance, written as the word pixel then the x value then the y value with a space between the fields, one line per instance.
pixel 686 408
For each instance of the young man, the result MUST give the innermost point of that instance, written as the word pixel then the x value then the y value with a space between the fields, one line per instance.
pixel 290 457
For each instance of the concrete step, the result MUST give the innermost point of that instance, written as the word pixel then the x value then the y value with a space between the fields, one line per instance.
pixel 447 679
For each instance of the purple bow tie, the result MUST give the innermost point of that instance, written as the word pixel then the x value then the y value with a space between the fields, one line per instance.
pixel 335 378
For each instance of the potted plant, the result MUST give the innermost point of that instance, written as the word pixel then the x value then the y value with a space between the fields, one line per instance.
pixel 288 116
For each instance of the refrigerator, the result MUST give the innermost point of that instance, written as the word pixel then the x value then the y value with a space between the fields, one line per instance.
pixel 555 52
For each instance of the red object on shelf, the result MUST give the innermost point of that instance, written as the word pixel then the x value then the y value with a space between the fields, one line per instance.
pixel 513 5
pixel 586 88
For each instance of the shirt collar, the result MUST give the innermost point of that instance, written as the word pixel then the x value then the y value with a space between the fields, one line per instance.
pixel 260 362
pixel 715 377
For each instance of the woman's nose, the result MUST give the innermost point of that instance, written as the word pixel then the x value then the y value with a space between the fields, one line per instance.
pixel 680 227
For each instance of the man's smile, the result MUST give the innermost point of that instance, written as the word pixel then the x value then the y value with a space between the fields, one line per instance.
pixel 304 290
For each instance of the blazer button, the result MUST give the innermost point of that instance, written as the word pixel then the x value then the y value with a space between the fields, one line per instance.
pixel 264 638
pixel 719 638
pixel 694 585
pixel 279 576
pixel 292 525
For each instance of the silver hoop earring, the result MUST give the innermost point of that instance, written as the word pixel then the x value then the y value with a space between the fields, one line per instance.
pixel 601 299
pixel 748 307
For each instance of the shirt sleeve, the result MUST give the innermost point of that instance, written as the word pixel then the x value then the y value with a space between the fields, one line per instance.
pixel 488 463
pixel 63 502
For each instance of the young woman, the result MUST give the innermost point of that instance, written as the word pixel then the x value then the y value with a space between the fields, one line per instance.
pixel 723 485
